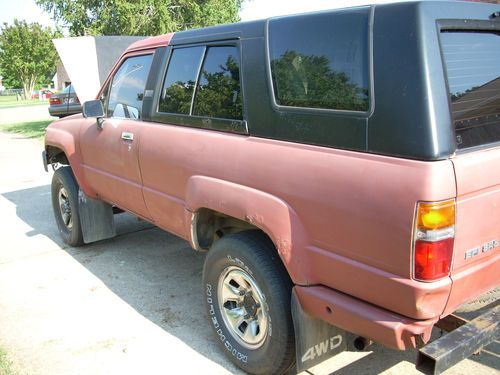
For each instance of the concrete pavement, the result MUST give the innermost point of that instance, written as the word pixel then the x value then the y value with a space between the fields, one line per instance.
pixel 129 305
pixel 109 308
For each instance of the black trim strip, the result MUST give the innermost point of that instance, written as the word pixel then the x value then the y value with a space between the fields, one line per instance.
pixel 202 122
pixel 154 72
pixel 179 40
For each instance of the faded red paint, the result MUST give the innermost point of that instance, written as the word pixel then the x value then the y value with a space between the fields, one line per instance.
pixel 151 42
pixel 342 221
pixel 331 213
pixel 327 211
pixel 392 330
pixel 478 223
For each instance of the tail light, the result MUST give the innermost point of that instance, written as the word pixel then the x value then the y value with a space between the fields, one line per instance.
pixel 433 240
pixel 77 100
pixel 55 101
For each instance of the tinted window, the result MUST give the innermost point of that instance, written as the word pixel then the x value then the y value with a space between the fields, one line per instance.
pixel 321 60
pixel 127 88
pixel 218 94
pixel 178 88
pixel 472 61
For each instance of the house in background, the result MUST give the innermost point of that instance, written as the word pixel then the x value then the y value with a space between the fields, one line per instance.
pixel 61 78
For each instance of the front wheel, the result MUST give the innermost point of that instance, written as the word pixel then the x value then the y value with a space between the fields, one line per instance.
pixel 65 206
pixel 248 302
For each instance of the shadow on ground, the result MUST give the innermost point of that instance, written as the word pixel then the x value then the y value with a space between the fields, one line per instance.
pixel 160 277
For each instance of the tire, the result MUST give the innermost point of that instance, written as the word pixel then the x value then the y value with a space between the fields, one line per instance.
pixel 65 206
pixel 254 329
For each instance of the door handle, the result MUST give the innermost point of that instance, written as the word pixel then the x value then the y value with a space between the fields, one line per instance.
pixel 127 136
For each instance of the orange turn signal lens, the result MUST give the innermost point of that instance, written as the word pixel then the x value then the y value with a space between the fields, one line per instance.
pixel 436 215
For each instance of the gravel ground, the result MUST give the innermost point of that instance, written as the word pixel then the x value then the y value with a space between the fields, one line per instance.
pixel 130 305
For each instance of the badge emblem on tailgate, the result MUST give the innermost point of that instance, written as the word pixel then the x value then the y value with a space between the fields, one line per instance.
pixel 481 249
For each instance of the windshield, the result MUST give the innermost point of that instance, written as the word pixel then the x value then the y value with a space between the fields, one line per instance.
pixel 472 61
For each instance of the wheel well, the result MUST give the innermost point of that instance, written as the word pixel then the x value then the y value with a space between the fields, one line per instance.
pixel 56 155
pixel 208 226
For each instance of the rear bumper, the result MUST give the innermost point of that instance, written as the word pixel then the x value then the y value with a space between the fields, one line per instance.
pixel 363 319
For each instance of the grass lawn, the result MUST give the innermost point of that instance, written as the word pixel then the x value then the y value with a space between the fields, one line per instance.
pixel 5 364
pixel 11 101
pixel 33 129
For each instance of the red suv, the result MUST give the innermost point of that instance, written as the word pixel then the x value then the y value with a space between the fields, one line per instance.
pixel 339 168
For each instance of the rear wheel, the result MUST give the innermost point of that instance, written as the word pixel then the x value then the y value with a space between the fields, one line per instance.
pixel 248 301
pixel 65 206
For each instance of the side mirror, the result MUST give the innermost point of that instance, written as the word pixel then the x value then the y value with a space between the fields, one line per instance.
pixel 93 108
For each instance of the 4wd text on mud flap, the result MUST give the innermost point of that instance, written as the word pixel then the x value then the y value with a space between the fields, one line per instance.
pixel 322 348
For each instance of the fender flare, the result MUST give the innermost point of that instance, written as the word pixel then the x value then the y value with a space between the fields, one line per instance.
pixel 265 211
pixel 66 142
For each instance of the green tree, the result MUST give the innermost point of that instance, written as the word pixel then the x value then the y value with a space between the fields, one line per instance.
pixel 10 82
pixel 178 98
pixel 139 17
pixel 27 54
pixel 219 92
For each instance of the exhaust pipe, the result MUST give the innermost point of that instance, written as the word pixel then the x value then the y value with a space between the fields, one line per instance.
pixel 361 343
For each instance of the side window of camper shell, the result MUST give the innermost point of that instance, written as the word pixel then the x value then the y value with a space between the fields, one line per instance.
pixel 321 60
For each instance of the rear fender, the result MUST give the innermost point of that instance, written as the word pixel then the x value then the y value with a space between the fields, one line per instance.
pixel 264 211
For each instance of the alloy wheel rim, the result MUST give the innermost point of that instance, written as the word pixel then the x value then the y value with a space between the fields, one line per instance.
pixel 65 208
pixel 243 307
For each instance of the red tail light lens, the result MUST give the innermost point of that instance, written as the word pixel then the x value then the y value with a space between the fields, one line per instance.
pixel 77 100
pixel 433 259
pixel 55 101
pixel 433 239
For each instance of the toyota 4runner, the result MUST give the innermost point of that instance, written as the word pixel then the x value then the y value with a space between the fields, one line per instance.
pixel 341 169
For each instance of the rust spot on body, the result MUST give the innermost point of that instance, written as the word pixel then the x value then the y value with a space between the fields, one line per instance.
pixel 284 246
pixel 254 219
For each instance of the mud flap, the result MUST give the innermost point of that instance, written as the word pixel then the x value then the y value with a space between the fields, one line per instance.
pixel 315 340
pixel 96 219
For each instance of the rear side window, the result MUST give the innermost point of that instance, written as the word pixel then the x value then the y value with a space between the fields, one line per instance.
pixel 219 92
pixel 127 88
pixel 321 60
pixel 203 81
pixel 180 81
pixel 472 61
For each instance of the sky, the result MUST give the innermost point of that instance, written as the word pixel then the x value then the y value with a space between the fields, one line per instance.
pixel 23 9
pixel 252 9
pixel 255 9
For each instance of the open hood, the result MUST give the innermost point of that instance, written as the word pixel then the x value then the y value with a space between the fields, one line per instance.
pixel 89 59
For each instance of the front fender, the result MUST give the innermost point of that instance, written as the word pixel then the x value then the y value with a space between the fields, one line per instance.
pixel 265 211
pixel 58 136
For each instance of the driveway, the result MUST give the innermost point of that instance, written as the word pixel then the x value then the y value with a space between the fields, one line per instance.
pixel 130 305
